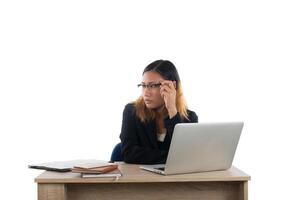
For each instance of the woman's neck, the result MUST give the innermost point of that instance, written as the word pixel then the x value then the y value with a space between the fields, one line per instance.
pixel 161 112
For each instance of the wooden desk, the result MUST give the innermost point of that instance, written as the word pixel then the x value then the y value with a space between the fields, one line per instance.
pixel 231 184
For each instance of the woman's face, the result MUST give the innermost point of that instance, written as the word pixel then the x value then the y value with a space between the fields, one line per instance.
pixel 151 90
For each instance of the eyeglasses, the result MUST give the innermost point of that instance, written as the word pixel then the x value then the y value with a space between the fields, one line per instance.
pixel 150 85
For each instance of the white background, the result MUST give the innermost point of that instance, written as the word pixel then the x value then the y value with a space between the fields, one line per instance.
pixel 67 69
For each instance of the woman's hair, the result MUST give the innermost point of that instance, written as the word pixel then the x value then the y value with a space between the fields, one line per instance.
pixel 169 72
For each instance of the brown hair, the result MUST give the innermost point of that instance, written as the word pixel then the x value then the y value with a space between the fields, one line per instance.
pixel 169 72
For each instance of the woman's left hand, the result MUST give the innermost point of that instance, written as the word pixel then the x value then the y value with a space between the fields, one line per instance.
pixel 168 93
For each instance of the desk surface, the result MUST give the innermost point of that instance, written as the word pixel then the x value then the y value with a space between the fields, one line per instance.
pixel 132 173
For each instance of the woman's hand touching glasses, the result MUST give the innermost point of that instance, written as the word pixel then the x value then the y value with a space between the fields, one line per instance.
pixel 168 93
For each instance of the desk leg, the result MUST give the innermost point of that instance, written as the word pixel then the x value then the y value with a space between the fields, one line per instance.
pixel 51 191
pixel 244 190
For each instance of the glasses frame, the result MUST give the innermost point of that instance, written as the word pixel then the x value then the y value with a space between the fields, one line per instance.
pixel 149 85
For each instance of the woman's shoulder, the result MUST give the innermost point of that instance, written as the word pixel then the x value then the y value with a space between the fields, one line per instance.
pixel 130 108
pixel 193 117
pixel 190 112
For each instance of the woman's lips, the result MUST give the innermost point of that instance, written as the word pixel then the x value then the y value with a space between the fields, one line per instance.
pixel 148 101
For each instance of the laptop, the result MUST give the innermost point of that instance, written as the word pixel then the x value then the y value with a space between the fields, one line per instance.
pixel 200 147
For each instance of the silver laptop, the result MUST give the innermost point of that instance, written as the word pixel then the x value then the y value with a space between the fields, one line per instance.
pixel 200 147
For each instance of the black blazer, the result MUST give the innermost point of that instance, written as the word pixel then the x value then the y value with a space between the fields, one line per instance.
pixel 139 142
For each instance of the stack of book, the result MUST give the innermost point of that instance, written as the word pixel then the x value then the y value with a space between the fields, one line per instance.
pixel 109 170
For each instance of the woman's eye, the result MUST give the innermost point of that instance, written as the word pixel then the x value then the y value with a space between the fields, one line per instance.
pixel 157 85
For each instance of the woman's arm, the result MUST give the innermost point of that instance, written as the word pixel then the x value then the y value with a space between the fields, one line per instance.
pixel 170 123
pixel 132 149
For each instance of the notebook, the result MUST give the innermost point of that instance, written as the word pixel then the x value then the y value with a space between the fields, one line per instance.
pixel 110 170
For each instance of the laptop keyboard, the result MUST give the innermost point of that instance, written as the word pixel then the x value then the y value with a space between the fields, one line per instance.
pixel 160 168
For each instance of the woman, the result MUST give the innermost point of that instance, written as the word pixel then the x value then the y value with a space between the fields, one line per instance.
pixel 148 123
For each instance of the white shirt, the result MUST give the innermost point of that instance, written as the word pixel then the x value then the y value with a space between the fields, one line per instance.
pixel 161 136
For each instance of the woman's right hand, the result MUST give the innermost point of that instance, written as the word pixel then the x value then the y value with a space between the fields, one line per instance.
pixel 168 93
